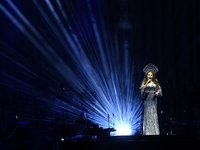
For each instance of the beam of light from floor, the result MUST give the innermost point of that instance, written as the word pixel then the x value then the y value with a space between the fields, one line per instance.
pixel 114 86
pixel 48 52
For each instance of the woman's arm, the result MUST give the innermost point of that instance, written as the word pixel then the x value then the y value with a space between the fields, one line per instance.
pixel 145 85
pixel 159 92
pixel 143 93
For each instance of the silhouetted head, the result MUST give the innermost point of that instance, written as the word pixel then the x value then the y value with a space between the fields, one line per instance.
pixel 82 115
pixel 58 114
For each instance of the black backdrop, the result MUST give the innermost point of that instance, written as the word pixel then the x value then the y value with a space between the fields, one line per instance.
pixel 163 32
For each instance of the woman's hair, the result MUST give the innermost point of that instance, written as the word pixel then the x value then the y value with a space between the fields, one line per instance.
pixel 153 79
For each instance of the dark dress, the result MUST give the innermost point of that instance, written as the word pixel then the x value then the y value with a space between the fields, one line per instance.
pixel 150 122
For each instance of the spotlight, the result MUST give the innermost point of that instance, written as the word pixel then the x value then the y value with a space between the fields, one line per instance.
pixel 111 84
pixel 124 131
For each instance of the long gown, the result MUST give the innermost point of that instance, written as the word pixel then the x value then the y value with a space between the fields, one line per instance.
pixel 150 122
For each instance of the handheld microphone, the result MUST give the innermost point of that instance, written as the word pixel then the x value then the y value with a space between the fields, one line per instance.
pixel 150 80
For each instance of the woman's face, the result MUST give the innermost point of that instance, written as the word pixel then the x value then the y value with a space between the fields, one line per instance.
pixel 150 75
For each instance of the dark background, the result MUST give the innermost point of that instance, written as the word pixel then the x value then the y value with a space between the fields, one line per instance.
pixel 163 32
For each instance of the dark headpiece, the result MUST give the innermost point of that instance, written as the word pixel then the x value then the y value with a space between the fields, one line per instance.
pixel 151 67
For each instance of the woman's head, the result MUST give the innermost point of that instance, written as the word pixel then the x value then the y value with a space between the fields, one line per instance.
pixel 152 76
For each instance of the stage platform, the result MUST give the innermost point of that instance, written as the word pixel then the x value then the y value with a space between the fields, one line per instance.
pixel 139 142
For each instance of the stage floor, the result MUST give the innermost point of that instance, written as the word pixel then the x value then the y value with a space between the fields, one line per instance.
pixel 139 142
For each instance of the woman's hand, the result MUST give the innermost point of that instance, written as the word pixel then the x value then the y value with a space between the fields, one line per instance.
pixel 147 83
pixel 156 93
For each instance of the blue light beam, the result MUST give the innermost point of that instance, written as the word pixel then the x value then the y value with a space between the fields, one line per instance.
pixel 107 69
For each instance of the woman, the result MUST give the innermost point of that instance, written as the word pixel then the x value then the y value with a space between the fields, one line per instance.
pixel 150 90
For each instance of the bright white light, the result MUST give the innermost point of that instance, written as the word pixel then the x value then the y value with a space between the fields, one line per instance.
pixel 115 87
pixel 124 131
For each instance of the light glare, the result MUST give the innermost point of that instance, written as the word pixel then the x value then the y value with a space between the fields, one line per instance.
pixel 113 85
pixel 125 130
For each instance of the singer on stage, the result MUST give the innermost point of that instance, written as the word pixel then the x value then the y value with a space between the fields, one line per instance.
pixel 150 90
